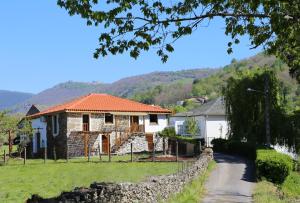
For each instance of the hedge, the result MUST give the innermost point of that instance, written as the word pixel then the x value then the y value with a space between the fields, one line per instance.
pixel 245 149
pixel 273 166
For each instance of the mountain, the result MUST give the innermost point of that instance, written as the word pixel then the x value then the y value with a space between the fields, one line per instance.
pixel 126 87
pixel 10 98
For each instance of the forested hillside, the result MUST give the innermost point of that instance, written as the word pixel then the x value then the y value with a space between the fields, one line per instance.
pixel 211 87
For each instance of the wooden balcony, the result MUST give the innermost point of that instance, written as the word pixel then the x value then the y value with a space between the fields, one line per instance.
pixel 135 128
pixel 85 127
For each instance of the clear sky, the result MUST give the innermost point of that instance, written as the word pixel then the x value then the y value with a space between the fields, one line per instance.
pixel 41 45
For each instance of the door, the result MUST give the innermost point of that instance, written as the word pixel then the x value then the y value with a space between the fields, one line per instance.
pixel 134 123
pixel 105 144
pixel 86 123
pixel 149 138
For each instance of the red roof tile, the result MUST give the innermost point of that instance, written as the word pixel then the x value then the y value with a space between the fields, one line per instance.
pixel 102 103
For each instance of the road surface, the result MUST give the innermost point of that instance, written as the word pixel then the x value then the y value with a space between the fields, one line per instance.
pixel 231 181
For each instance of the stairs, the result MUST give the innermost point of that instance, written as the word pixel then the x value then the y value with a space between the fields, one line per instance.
pixel 123 140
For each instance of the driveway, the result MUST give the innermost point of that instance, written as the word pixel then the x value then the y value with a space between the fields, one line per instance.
pixel 232 180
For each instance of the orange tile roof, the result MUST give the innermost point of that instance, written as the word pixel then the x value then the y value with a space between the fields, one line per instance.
pixel 102 103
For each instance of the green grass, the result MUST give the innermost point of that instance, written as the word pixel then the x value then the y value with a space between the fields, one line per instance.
pixel 289 191
pixel 291 186
pixel 18 182
pixel 194 191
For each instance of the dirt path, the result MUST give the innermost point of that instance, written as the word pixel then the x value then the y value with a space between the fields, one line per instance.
pixel 231 181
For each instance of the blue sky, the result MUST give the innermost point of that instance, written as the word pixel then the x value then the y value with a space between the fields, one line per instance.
pixel 41 45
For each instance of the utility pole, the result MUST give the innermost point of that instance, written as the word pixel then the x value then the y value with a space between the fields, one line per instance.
pixel 266 94
pixel 267 110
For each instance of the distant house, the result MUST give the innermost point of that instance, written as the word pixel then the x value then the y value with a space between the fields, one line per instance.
pixel 100 122
pixel 211 119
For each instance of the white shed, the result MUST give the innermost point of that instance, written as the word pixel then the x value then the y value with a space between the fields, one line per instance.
pixel 211 119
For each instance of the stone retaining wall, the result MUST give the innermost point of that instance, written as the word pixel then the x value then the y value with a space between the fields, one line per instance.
pixel 155 189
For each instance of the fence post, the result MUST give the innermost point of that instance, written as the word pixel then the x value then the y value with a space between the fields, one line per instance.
pixel 45 154
pixel 153 152
pixel 200 147
pixel 25 154
pixel 89 153
pixel 54 153
pixel 109 154
pixel 67 153
pixel 99 150
pixel 176 150
pixel 4 157
pixel 131 152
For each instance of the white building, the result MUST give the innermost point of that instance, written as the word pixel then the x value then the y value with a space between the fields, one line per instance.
pixel 211 119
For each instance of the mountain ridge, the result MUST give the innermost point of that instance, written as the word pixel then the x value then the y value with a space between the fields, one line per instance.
pixel 125 87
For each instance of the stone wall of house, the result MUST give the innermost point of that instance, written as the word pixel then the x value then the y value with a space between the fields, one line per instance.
pixel 97 121
pixel 74 122
pixel 140 144
pixel 155 189
pixel 57 144
pixel 76 142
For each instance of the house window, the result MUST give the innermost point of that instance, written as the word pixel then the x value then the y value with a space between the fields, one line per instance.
pixel 55 124
pixel 153 119
pixel 109 118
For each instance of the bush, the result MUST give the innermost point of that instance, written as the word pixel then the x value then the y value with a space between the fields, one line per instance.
pixel 245 149
pixel 273 166
pixel 219 145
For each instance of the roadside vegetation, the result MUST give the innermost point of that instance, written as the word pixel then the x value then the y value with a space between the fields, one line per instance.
pixel 19 182
pixel 194 191
pixel 279 181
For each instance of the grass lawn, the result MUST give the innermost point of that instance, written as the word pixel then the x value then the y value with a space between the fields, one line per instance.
pixel 289 191
pixel 18 182
pixel 194 191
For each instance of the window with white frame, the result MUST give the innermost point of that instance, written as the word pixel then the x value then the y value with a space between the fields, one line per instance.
pixel 55 124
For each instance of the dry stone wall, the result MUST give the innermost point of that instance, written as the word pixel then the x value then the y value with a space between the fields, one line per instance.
pixel 155 189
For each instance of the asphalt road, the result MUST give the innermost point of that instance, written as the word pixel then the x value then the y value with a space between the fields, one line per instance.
pixel 231 181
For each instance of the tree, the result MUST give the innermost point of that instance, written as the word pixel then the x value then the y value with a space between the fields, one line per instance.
pixel 245 110
pixel 137 25
pixel 191 126
pixel 7 123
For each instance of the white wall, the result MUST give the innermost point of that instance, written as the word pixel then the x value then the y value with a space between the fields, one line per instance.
pixel 38 123
pixel 216 127
pixel 201 123
pixel 176 121
pixel 152 128
pixel 210 126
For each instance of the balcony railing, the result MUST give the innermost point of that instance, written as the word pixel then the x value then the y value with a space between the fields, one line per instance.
pixel 85 127
pixel 135 128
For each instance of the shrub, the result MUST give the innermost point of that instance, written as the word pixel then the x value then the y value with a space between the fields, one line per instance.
pixel 219 145
pixel 245 149
pixel 273 166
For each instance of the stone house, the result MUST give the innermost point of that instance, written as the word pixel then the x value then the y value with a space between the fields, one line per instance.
pixel 97 123
pixel 211 119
